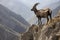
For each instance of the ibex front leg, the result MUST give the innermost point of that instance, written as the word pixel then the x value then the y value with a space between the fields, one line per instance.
pixel 39 21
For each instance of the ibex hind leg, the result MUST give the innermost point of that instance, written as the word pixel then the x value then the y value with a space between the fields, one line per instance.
pixel 50 16
pixel 47 19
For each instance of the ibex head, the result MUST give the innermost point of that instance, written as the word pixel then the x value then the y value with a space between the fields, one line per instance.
pixel 34 7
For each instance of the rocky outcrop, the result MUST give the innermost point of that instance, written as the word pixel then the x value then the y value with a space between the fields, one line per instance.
pixel 50 31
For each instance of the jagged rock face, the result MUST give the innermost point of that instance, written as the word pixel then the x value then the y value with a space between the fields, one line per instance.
pixel 27 36
pixel 33 28
pixel 31 34
pixel 50 30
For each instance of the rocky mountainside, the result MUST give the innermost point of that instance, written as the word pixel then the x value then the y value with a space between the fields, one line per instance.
pixel 50 31
pixel 11 24
pixel 12 20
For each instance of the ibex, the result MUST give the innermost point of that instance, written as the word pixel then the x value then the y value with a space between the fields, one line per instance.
pixel 42 13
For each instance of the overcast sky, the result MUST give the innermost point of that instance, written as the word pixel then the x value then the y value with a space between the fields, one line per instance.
pixel 22 7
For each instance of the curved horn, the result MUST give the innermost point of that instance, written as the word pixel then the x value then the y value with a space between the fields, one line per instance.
pixel 36 4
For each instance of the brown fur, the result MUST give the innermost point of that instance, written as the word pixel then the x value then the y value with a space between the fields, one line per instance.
pixel 42 13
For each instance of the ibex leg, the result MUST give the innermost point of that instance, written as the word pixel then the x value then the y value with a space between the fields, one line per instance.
pixel 47 19
pixel 39 22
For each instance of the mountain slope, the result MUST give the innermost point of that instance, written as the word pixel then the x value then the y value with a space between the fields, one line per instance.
pixel 12 20
pixel 8 34
pixel 19 8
